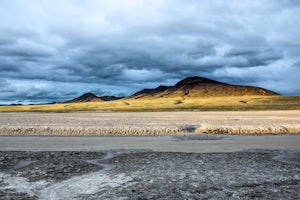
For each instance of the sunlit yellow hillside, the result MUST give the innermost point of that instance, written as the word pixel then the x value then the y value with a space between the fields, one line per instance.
pixel 197 87
pixel 174 103
pixel 192 93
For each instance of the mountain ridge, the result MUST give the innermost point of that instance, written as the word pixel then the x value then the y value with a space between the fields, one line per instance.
pixel 194 86
pixel 203 87
pixel 90 97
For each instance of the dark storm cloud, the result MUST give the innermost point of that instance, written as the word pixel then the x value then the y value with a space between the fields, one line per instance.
pixel 5 41
pixel 40 95
pixel 255 57
pixel 7 67
pixel 60 49
pixel 103 61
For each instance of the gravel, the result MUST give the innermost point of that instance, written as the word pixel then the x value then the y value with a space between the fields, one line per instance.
pixel 128 174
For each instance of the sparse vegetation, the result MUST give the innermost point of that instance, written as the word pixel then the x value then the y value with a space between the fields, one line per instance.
pixel 167 104
pixel 192 93
pixel 146 123
pixel 178 102
pixel 243 101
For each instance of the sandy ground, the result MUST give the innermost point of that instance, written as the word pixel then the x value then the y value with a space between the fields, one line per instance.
pixel 191 166
pixel 197 143
pixel 180 166
pixel 145 123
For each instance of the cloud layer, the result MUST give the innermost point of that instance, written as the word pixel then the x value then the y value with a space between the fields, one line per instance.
pixel 56 50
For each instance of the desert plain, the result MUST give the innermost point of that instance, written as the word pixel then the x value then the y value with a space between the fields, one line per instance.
pixel 150 123
pixel 150 155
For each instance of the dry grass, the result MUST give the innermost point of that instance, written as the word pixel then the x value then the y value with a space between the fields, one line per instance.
pixel 150 123
pixel 170 104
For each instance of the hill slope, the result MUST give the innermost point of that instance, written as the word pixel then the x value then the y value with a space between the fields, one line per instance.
pixel 151 92
pixel 202 87
pixel 188 87
pixel 90 97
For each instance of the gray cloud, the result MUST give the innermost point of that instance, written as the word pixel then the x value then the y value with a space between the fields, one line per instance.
pixel 55 50
pixel 255 57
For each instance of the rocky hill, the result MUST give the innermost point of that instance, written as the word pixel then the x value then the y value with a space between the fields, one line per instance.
pixel 202 87
pixel 188 87
pixel 90 97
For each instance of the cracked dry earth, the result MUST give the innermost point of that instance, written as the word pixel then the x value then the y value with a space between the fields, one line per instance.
pixel 256 174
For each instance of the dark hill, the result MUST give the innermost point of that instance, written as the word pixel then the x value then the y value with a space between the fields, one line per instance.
pixel 109 98
pixel 90 97
pixel 150 92
pixel 188 87
pixel 203 87
pixel 87 97
pixel 190 82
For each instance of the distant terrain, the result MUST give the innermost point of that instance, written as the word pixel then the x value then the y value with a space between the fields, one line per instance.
pixel 201 87
pixel 192 93
pixel 188 88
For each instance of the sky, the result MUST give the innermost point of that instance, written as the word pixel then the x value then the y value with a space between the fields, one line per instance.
pixel 54 50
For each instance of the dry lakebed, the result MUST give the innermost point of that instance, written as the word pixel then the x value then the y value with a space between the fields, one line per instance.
pixel 150 123
pixel 176 155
